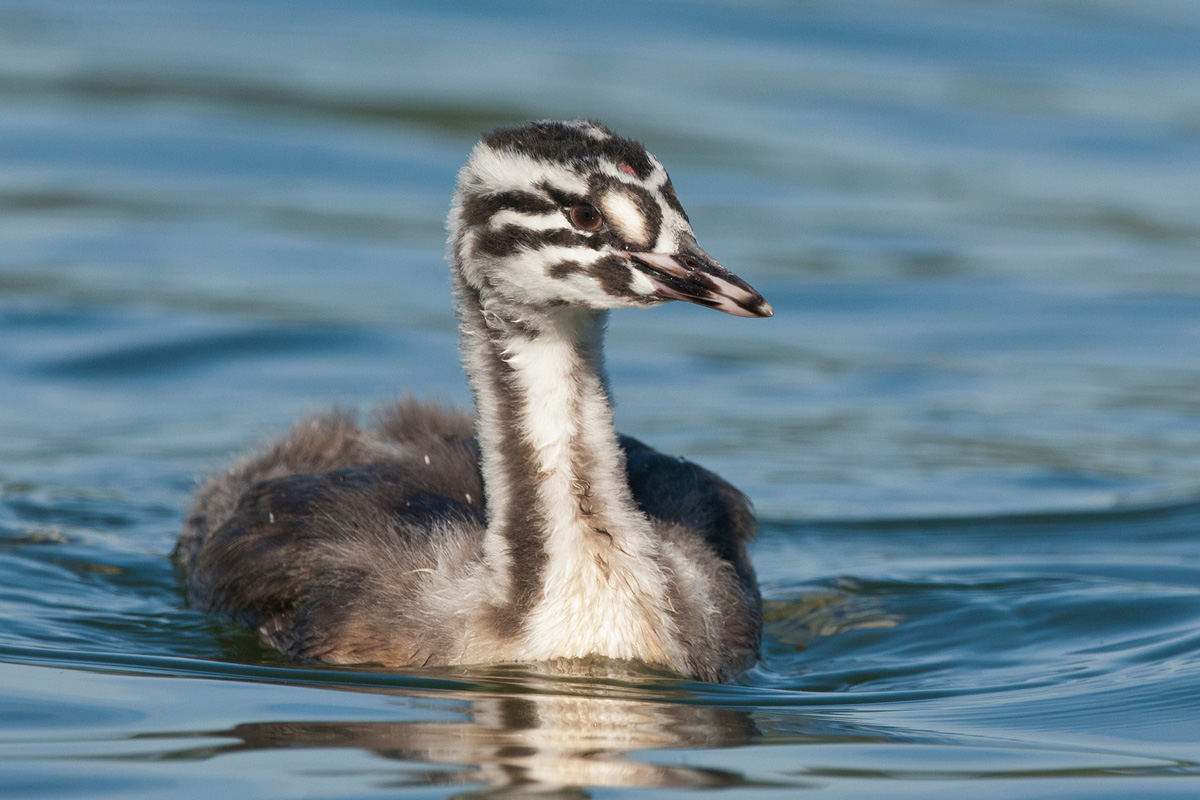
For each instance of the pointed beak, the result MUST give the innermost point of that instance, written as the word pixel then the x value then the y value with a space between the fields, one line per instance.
pixel 693 275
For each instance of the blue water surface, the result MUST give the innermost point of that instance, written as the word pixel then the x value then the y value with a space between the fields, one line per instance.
pixel 972 429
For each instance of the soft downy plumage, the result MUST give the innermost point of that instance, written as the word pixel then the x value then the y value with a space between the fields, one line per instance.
pixel 534 532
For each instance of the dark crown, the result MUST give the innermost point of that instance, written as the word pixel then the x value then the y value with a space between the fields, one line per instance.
pixel 572 143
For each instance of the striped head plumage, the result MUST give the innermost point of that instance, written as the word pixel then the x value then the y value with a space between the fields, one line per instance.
pixel 568 214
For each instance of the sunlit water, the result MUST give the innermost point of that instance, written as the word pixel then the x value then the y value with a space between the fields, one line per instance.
pixel 972 429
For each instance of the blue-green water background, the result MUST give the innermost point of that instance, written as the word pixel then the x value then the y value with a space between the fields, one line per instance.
pixel 972 429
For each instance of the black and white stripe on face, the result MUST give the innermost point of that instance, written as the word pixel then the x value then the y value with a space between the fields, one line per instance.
pixel 513 204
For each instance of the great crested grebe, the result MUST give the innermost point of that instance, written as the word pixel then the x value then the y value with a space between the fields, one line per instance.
pixel 534 532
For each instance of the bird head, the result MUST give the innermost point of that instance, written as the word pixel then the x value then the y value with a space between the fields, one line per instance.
pixel 570 214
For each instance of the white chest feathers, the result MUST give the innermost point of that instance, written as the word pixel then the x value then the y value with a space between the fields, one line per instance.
pixel 604 589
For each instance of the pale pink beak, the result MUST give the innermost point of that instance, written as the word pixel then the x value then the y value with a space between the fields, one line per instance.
pixel 693 275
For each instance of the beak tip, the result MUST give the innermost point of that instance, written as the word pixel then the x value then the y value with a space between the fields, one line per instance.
pixel 693 276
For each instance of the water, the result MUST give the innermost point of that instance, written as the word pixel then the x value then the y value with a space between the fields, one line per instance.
pixel 971 429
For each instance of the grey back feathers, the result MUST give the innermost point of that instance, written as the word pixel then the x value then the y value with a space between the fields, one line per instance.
pixel 532 532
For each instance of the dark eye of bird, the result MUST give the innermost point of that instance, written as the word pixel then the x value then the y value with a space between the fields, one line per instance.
pixel 586 217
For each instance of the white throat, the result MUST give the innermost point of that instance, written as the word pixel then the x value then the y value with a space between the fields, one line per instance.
pixel 577 561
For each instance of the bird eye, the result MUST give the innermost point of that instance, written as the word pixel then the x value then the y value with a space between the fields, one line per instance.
pixel 586 217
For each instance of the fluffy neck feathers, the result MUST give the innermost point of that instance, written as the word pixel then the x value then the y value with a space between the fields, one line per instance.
pixel 565 538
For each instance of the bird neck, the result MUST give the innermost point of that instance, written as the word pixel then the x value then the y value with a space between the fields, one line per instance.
pixel 564 534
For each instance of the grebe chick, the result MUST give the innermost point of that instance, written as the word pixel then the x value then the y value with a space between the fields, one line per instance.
pixel 534 532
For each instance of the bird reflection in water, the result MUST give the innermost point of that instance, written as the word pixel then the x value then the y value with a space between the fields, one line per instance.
pixel 530 736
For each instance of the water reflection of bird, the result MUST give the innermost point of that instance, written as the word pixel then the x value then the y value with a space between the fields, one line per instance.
pixel 549 745
pixel 547 535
